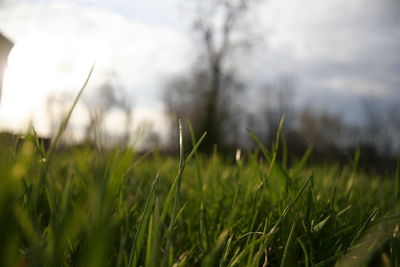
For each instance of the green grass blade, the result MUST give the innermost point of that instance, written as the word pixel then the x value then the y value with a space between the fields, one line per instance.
pixel 281 173
pixel 154 238
pixel 167 204
pixel 355 162
pixel 203 233
pixel 363 227
pixel 139 235
pixel 300 165
pixel 305 252
pixel 290 206
pixel 64 123
pixel 175 188
pixel 287 246
pixel 214 256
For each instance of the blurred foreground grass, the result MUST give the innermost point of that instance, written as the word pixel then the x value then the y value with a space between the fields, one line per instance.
pixel 85 207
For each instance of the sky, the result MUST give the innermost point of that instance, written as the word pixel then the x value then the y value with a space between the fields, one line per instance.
pixel 339 51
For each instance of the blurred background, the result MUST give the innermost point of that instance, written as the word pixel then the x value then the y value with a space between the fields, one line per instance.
pixel 332 68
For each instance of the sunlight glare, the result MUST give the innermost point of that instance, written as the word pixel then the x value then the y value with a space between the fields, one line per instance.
pixel 36 67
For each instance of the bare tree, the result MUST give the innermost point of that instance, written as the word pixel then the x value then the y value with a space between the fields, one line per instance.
pixel 206 95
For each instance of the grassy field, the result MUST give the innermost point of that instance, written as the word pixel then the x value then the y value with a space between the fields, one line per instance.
pixel 86 207
pixel 90 207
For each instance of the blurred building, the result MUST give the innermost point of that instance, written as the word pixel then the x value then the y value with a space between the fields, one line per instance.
pixel 5 48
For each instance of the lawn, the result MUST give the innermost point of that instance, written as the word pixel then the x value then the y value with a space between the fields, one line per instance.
pixel 115 207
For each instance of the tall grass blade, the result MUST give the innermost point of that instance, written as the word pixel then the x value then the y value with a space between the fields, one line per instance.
pixel 64 123
pixel 287 246
pixel 203 223
pixel 355 162
pixel 281 173
pixel 300 165
pixel 175 188
pixel 215 255
pixel 363 227
pixel 289 206
pixel 154 238
pixel 167 203
pixel 139 235
pixel 181 168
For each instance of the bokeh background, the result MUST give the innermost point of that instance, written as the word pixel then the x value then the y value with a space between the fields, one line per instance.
pixel 331 67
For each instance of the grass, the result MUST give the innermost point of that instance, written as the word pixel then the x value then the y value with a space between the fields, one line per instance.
pixel 91 208
pixel 84 207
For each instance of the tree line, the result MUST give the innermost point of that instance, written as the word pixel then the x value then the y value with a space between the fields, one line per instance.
pixel 210 97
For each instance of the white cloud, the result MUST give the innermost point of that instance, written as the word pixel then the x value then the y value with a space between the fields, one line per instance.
pixel 349 47
pixel 74 36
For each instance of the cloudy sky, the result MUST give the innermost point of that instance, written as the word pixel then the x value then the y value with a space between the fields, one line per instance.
pixel 339 51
